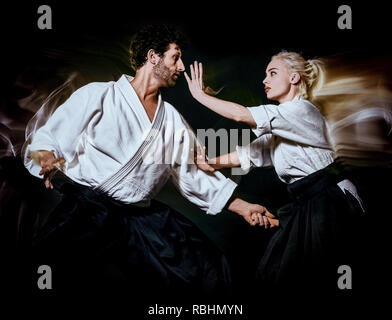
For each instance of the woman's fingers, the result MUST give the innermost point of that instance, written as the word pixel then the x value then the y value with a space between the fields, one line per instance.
pixel 273 222
pixel 204 152
pixel 204 166
pixel 201 155
pixel 196 66
pixel 196 79
pixel 192 73
pixel 199 74
pixel 201 160
pixel 201 82
pixel 188 80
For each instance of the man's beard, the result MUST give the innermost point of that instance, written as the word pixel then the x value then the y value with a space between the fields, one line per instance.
pixel 162 73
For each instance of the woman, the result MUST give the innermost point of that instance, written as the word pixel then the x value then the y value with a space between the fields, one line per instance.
pixel 315 229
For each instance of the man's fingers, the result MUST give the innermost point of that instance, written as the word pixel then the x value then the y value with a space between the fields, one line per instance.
pixel 47 183
pixel 45 170
pixel 51 165
pixel 58 163
pixel 60 160
pixel 259 219
pixel 269 215
pixel 252 221
pixel 266 222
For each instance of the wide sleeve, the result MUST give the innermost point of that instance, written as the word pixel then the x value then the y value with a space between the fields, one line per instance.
pixel 298 121
pixel 63 130
pixel 209 191
pixel 256 154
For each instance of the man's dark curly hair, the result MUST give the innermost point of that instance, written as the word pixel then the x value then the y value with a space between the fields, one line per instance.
pixel 156 37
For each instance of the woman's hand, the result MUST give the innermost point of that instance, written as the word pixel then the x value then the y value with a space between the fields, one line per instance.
pixel 201 160
pixel 195 82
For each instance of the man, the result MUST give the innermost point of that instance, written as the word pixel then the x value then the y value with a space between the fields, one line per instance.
pixel 103 139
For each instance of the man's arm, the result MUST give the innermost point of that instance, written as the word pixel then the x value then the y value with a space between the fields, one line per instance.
pixel 252 213
pixel 210 191
pixel 60 135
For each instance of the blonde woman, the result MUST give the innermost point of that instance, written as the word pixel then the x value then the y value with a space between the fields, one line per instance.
pixel 314 229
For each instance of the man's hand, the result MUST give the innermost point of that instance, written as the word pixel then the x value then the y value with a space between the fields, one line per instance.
pixel 254 214
pixel 268 219
pixel 48 163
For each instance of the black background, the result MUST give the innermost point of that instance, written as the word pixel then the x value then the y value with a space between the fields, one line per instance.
pixel 234 39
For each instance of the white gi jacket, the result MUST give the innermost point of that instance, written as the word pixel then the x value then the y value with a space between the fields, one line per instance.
pixel 109 143
pixel 292 137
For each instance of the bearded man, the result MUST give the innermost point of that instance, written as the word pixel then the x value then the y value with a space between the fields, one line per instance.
pixel 100 150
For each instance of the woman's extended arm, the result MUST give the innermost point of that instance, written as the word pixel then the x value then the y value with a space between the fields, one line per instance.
pixel 226 109
pixel 228 160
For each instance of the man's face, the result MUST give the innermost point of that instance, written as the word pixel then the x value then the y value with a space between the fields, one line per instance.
pixel 170 66
pixel 277 81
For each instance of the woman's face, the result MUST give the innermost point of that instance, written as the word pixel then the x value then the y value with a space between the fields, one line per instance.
pixel 277 81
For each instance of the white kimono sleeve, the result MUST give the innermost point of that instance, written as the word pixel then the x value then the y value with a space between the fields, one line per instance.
pixel 298 121
pixel 209 191
pixel 63 130
pixel 255 154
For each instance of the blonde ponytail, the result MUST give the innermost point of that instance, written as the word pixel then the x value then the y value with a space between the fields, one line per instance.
pixel 311 72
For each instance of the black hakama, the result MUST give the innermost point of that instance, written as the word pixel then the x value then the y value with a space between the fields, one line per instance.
pixel 319 231
pixel 96 245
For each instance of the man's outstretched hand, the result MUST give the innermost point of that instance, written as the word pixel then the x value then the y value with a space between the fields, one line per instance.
pixel 254 214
